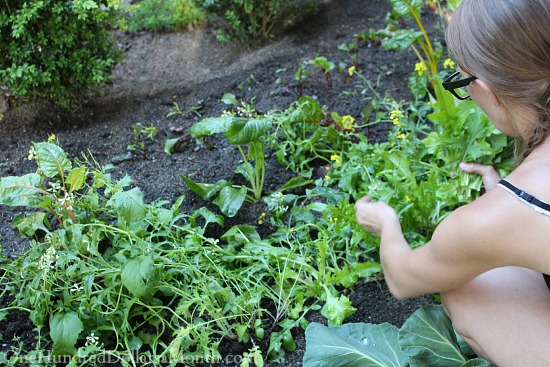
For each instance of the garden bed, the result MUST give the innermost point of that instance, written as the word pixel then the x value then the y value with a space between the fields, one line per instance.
pixel 193 71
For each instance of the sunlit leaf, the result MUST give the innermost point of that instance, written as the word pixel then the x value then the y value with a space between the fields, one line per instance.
pixel 242 131
pixel 129 205
pixel 353 345
pixel 52 160
pixel 21 191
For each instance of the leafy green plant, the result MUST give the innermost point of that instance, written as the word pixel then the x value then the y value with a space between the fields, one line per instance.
pixel 319 62
pixel 163 15
pixel 427 338
pixel 58 50
pixel 239 131
pixel 416 169
pixel 397 36
pixel 108 274
pixel 307 136
pixel 254 20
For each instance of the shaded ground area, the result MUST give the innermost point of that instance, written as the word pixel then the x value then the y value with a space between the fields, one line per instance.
pixel 192 69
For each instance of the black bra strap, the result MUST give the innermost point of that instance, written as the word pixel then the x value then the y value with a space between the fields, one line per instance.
pixel 525 196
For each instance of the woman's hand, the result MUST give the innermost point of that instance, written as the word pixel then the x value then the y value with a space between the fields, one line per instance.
pixel 488 174
pixel 373 215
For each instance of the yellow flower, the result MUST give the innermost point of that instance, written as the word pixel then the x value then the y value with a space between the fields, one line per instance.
pixel 395 115
pixel 449 64
pixel 348 122
pixel 327 177
pixel 401 135
pixel 420 68
pixel 327 168
pixel 351 70
pixel 336 158
pixel 51 138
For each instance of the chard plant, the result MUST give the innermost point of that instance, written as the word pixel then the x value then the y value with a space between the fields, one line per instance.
pixel 244 130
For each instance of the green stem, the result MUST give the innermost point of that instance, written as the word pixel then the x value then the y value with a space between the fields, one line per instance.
pixel 252 179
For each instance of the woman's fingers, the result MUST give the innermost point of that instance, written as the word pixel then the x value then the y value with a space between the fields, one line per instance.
pixel 489 174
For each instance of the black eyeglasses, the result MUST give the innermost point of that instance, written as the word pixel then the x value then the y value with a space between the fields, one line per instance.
pixel 454 86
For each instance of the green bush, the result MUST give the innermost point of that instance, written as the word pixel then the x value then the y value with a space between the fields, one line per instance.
pixel 253 20
pixel 163 15
pixel 57 49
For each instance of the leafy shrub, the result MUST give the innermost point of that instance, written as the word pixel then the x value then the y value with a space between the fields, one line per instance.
pixel 249 20
pixel 57 50
pixel 163 15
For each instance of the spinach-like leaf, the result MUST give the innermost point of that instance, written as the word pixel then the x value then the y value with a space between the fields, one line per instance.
pixel 139 276
pixel 21 191
pixel 230 200
pixel 242 131
pixel 64 330
pixel 129 205
pixel 52 159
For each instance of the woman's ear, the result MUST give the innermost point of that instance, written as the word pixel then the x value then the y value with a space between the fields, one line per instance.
pixel 488 91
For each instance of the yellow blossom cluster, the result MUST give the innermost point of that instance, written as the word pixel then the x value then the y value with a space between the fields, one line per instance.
pixel 261 219
pixel 395 116
pixel 420 67
pixel 348 122
pixel 449 64
pixel 337 159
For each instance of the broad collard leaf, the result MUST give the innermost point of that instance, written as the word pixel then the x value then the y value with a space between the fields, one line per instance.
pixel 231 199
pixel 242 234
pixel 52 160
pixel 243 131
pixel 64 330
pixel 477 362
pixel 353 345
pixel 230 99
pixel 139 276
pixel 21 191
pixel 129 205
pixel 428 338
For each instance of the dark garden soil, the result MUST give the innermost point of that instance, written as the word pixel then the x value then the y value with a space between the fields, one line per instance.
pixel 194 70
